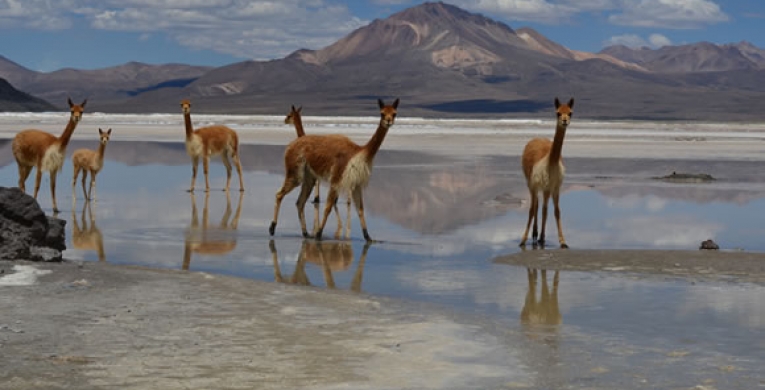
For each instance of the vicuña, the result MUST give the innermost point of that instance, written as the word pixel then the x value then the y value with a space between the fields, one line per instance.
pixel 92 161
pixel 544 171
pixel 334 159
pixel 295 118
pixel 211 141
pixel 36 148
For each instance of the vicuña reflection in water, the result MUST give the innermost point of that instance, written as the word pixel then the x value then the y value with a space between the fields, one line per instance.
pixel 330 256
pixel 545 310
pixel 206 240
pixel 540 320
pixel 87 236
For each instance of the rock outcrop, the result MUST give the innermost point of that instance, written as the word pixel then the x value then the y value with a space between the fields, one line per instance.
pixel 26 233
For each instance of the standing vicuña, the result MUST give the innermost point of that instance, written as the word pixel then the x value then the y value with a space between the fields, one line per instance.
pixel 92 161
pixel 544 171
pixel 295 118
pixel 36 148
pixel 337 160
pixel 210 141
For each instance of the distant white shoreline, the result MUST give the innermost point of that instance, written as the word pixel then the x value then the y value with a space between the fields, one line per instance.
pixel 459 137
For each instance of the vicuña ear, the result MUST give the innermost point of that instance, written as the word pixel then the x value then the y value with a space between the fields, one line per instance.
pixel 380 103
pixel 69 100
pixel 100 132
pixel 571 103
pixel 83 103
pixel 395 104
pixel 292 107
pixel 557 102
pixel 109 132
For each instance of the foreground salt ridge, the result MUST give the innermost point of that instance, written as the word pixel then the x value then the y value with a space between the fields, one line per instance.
pixel 25 275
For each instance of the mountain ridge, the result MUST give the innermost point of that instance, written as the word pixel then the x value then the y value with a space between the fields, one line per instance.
pixel 442 61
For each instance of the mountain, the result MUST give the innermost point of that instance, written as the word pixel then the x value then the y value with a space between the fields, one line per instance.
pixel 697 57
pixel 442 61
pixel 113 84
pixel 11 99
pixel 542 44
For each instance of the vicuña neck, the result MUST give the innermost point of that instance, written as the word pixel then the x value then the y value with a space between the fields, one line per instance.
pixel 189 126
pixel 101 149
pixel 299 125
pixel 557 146
pixel 376 141
pixel 63 141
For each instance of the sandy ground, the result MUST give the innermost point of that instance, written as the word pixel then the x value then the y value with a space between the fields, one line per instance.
pixel 706 265
pixel 92 326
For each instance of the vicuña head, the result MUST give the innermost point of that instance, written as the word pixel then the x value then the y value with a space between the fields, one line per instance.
pixel 336 159
pixel 564 112
pixel 36 148
pixel 210 141
pixel 293 116
pixel 92 161
pixel 543 168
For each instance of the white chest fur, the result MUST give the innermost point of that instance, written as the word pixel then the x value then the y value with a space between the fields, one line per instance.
pixel 357 173
pixel 53 159
pixel 194 146
pixel 545 179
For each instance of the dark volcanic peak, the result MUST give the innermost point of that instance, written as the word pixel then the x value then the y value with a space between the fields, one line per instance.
pixel 428 28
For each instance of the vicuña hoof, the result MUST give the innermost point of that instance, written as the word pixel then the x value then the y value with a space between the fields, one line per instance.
pixel 564 246
pixel 272 228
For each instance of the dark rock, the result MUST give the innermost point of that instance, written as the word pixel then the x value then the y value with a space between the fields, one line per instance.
pixel 709 245
pixel 23 225
pixel 687 177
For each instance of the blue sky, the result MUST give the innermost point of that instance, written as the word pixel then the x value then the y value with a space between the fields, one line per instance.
pixel 46 35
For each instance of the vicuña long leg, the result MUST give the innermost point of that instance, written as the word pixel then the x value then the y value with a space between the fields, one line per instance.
pixel 238 164
pixel 92 185
pixel 53 175
pixel 194 168
pixel 290 182
pixel 305 192
pixel 24 171
pixel 38 179
pixel 532 213
pixel 206 167
pixel 331 199
pixel 358 200
pixel 545 201
pixel 74 177
pixel 84 179
pixel 556 199
pixel 227 164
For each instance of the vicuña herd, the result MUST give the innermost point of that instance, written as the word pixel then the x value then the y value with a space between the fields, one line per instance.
pixel 346 167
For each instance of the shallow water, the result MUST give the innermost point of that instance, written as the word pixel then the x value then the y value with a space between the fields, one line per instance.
pixel 441 222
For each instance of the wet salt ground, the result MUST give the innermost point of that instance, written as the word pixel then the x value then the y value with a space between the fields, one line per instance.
pixel 442 222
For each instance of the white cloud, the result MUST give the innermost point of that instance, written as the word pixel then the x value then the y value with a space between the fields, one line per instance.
pixel 635 41
pixel 252 29
pixel 641 13
pixel 677 14
pixel 658 40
